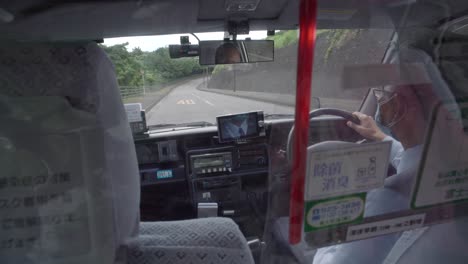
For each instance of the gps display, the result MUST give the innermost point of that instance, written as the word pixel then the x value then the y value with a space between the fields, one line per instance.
pixel 240 126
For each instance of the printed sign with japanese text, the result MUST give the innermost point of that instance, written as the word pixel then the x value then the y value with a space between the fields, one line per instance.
pixel 443 174
pixel 44 205
pixel 334 211
pixel 385 227
pixel 346 170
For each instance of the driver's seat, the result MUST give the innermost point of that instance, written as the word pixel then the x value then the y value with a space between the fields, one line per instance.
pixel 69 187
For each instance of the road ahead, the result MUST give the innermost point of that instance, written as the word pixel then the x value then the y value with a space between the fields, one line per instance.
pixel 185 104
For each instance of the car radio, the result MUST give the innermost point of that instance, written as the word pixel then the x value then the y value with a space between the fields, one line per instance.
pixel 206 164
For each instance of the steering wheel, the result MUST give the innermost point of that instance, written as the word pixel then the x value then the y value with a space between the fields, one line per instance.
pixel 315 113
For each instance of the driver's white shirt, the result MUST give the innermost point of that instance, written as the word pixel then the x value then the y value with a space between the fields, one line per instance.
pixel 396 152
pixel 233 130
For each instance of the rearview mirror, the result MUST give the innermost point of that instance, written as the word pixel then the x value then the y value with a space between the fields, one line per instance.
pixel 230 52
pixel 184 50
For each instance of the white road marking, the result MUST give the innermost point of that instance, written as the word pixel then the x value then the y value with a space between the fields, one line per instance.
pixel 190 102
pixel 206 101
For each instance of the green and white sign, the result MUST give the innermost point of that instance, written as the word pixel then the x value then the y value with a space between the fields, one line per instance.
pixel 331 212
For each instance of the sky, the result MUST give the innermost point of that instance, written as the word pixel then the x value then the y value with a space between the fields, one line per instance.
pixel 151 43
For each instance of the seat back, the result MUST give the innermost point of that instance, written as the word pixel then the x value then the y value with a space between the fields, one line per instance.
pixel 69 187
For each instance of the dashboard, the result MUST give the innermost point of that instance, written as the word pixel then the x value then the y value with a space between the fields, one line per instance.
pixel 183 169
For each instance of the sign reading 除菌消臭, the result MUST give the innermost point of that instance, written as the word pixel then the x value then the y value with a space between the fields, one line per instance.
pixel 346 170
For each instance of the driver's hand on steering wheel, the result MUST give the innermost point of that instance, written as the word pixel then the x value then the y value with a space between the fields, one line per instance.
pixel 368 127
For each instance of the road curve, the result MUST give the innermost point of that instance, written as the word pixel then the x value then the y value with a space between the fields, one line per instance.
pixel 185 104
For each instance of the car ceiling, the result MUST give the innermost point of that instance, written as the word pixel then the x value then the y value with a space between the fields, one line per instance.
pixel 87 19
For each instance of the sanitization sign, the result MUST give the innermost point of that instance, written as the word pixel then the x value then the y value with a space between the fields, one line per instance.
pixel 346 170
pixel 443 174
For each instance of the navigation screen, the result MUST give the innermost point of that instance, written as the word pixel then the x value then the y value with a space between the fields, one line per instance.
pixel 239 126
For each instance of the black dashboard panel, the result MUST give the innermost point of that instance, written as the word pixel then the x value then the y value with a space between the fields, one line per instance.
pixel 182 167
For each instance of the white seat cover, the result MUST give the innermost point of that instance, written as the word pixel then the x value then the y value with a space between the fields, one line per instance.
pixel 69 186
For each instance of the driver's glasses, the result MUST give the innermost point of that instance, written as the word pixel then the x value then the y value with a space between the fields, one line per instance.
pixel 383 95
pixel 391 110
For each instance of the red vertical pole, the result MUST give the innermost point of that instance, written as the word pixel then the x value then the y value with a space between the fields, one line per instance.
pixel 305 62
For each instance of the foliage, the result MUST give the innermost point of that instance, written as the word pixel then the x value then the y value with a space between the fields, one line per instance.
pixel 157 67
pixel 284 38
pixel 337 38
pixel 218 68
pixel 137 67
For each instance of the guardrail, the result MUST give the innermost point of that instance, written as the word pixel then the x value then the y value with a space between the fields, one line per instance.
pixel 132 91
pixel 136 91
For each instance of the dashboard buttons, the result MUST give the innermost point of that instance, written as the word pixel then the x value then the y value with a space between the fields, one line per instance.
pixel 213 170
pixel 261 161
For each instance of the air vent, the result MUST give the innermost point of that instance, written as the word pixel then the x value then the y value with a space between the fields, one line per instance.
pixel 252 157
pixel 251 152
pixel 198 142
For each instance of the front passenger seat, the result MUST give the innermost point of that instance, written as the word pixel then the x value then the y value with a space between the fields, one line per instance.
pixel 69 187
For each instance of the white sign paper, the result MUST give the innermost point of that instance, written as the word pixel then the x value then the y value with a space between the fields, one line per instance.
pixel 385 227
pixel 133 112
pixel 443 176
pixel 346 170
pixel 44 208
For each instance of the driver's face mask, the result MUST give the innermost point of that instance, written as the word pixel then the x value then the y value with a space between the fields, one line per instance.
pixel 391 110
pixel 384 129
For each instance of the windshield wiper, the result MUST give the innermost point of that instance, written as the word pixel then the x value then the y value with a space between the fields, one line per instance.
pixel 191 124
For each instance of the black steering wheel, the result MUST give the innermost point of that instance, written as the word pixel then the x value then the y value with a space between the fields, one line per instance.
pixel 319 112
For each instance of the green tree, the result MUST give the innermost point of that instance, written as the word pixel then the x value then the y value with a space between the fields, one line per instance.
pixel 156 67
pixel 127 68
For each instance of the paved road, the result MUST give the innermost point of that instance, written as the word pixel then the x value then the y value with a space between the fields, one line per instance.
pixel 188 104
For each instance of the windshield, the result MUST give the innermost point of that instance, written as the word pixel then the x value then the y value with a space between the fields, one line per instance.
pixel 181 91
pixel 182 132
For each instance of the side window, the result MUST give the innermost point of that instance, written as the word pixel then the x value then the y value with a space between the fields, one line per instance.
pixel 335 51
pixel 338 51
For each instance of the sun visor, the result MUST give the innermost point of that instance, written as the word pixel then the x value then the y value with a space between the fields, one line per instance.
pixel 379 75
